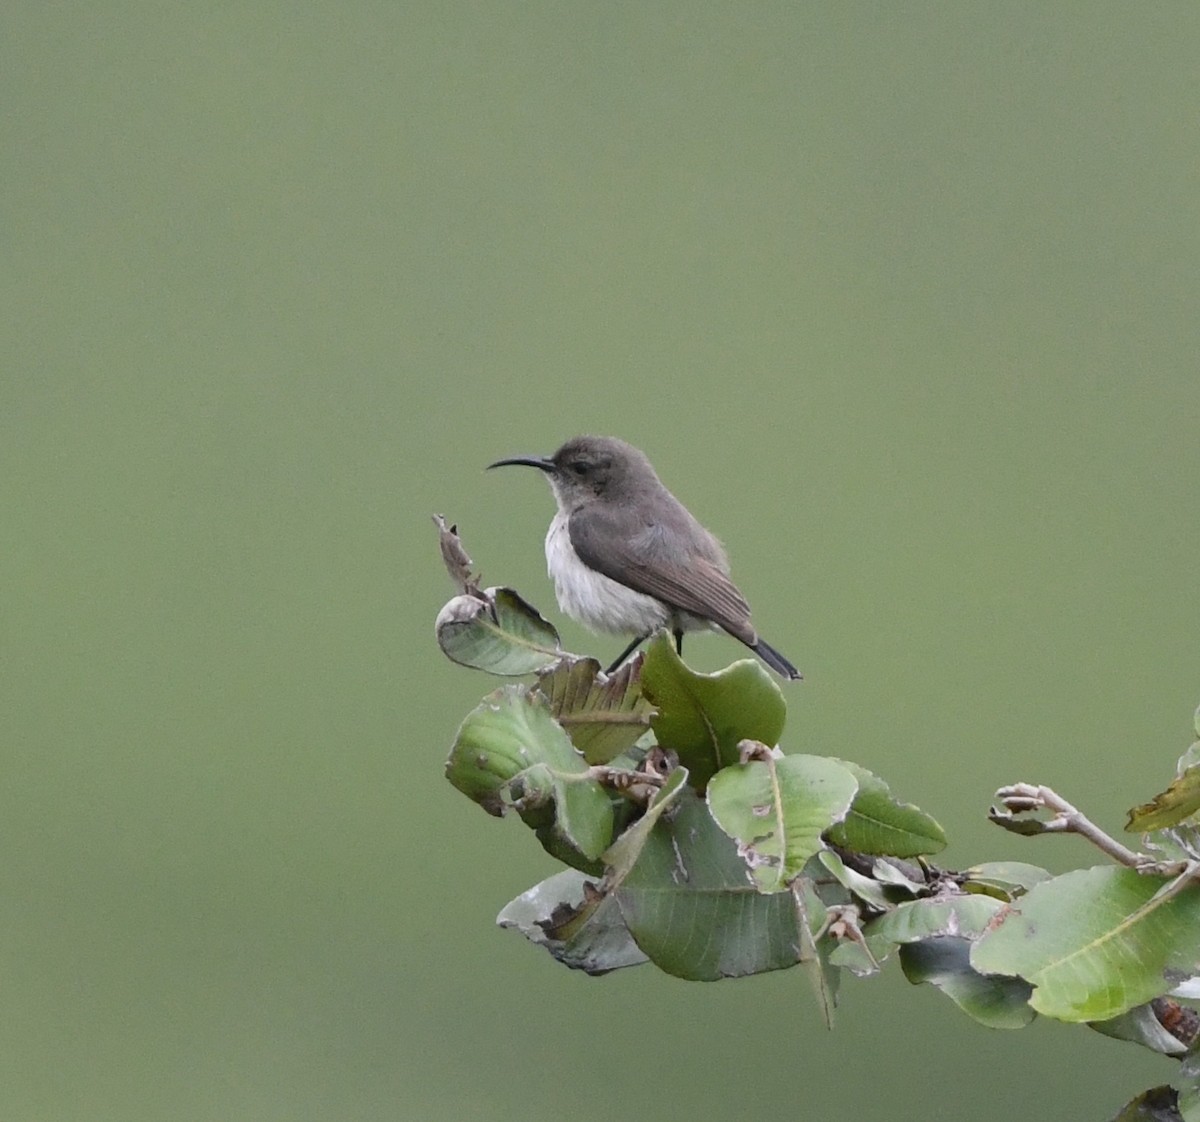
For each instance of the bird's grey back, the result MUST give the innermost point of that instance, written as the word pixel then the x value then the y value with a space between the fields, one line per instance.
pixel 631 484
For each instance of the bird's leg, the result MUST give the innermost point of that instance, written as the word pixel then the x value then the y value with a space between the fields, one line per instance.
pixel 628 651
pixel 679 641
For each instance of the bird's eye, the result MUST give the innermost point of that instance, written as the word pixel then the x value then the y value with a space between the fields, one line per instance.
pixel 578 467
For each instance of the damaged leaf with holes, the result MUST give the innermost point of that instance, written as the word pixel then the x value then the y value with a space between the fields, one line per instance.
pixel 777 810
pixel 497 631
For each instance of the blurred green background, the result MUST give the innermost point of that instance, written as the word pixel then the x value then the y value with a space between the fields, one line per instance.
pixel 902 300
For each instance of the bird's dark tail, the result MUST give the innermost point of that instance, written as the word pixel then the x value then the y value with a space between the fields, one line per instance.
pixel 775 660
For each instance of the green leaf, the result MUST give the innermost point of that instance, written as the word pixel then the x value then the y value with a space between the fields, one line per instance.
pixel 1179 801
pixel 864 887
pixel 703 717
pixel 777 810
pixel 880 824
pixel 862 959
pixel 1096 942
pixel 621 856
pixel 577 925
pixel 888 872
pixel 495 630
pixel 692 907
pixel 1003 879
pixel 509 750
pixel 997 1000
pixel 914 920
pixel 579 922
pixel 816 948
pixel 604 715
pixel 544 823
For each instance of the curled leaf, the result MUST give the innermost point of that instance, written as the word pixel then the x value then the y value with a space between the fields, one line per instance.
pixel 510 752
pixel 568 917
pixel 1141 1025
pixel 454 554
pixel 497 631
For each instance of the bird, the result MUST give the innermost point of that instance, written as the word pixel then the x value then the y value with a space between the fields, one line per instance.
pixel 628 558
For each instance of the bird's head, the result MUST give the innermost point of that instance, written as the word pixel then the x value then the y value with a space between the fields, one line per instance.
pixel 588 468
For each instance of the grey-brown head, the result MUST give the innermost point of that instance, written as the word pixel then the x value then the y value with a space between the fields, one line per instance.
pixel 587 468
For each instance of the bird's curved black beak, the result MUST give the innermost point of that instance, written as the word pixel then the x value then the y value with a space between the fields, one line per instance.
pixel 539 462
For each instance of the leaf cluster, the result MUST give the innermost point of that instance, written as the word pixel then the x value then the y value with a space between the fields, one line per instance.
pixel 694 842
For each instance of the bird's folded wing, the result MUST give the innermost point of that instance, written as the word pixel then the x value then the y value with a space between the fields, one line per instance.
pixel 699 587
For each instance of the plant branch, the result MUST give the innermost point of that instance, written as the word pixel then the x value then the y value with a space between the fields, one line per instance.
pixel 1027 798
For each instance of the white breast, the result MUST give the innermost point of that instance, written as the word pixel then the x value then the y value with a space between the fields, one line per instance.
pixel 591 598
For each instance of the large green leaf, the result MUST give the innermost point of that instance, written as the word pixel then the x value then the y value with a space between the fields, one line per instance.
pixel 777 810
pixel 703 717
pixel 495 630
pixel 880 824
pixel 1096 942
pixel 603 714
pixel 579 926
pixel 510 751
pixel 692 906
